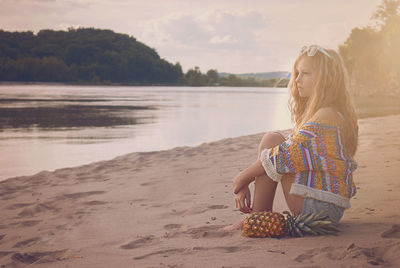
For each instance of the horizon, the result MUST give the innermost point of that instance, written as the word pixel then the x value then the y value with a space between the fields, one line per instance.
pixel 231 37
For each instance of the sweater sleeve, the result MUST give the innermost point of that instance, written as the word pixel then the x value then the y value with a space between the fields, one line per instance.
pixel 292 156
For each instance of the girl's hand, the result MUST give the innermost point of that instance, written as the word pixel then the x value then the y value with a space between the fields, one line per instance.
pixel 244 178
pixel 243 200
pixel 240 182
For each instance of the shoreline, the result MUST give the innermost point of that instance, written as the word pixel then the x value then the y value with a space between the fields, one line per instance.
pixel 362 116
pixel 366 116
pixel 164 209
pixel 120 84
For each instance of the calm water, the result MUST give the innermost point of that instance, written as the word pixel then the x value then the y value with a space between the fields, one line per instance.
pixel 45 127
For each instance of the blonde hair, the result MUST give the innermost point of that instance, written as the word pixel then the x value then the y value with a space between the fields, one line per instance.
pixel 330 89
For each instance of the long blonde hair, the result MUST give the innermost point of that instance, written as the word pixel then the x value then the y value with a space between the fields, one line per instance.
pixel 331 89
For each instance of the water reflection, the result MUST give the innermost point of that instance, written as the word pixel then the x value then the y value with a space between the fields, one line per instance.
pixel 68 116
pixel 44 127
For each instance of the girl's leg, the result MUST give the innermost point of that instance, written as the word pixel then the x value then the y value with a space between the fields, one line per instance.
pixel 264 193
pixel 294 202
pixel 264 186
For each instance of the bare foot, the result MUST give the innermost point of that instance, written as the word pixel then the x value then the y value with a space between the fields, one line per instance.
pixel 235 226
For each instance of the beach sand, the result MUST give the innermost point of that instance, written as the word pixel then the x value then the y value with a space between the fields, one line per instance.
pixel 164 209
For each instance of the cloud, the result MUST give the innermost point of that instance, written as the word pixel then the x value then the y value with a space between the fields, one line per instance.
pixel 226 39
pixel 30 14
pixel 209 30
pixel 229 35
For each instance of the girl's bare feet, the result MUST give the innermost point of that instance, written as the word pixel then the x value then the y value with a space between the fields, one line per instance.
pixel 235 226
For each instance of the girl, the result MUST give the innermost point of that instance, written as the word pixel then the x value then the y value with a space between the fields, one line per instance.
pixel 315 163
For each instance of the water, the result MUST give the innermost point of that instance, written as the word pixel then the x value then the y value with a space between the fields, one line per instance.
pixel 45 127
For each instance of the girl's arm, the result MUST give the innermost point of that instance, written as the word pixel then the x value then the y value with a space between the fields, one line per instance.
pixel 245 177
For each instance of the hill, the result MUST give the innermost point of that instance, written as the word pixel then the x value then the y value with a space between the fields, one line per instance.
pixel 82 55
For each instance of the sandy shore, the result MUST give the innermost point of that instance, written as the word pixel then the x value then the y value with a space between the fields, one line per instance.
pixel 164 209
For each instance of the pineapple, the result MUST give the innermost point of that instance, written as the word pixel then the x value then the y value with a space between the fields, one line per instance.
pixel 274 224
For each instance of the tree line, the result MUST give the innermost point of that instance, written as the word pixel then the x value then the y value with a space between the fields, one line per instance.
pixel 82 55
pixel 372 54
pixel 96 56
pixel 194 77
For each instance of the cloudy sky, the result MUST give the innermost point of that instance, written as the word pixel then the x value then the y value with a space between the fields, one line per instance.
pixel 234 36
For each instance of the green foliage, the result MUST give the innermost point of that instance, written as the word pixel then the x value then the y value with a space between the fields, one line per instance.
pixel 233 80
pixel 372 54
pixel 212 77
pixel 194 77
pixel 82 55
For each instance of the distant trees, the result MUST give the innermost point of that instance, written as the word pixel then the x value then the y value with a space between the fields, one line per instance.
pixel 212 76
pixel 84 55
pixel 372 54
pixel 194 77
pixel 94 56
pixel 234 80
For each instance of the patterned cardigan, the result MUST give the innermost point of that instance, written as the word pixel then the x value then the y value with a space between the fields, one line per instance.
pixel 322 166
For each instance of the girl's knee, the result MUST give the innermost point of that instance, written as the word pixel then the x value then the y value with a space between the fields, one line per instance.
pixel 272 139
pixel 269 140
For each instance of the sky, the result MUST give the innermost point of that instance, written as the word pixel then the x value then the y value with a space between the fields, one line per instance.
pixel 234 36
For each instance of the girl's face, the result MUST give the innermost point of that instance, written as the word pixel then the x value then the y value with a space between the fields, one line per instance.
pixel 305 78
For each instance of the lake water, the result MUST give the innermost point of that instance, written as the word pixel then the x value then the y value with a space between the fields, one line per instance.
pixel 45 127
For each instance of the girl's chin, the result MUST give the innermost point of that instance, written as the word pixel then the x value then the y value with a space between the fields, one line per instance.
pixel 302 95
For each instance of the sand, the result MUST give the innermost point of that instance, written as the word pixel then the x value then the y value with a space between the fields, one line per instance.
pixel 165 209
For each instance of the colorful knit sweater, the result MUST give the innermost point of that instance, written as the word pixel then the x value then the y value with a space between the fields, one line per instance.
pixel 322 166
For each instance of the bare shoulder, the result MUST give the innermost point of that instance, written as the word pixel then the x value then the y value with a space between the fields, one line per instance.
pixel 327 114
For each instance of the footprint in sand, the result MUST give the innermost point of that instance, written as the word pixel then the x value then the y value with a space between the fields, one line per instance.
pixel 223 249
pixel 5 253
pixel 39 208
pixel 197 210
pixel 95 203
pixel 165 253
pixel 172 251
pixel 394 232
pixel 131 202
pixel 40 256
pixel 27 242
pixel 62 227
pixel 190 211
pixel 370 211
pixel 160 205
pixel 172 226
pixel 18 205
pixel 147 240
pixel 190 193
pixel 27 223
pixel 218 207
pixel 149 183
pixel 372 255
pixel 82 194
pixel 212 231
pixel 172 230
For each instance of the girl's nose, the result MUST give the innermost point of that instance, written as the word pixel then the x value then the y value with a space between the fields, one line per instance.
pixel 298 78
